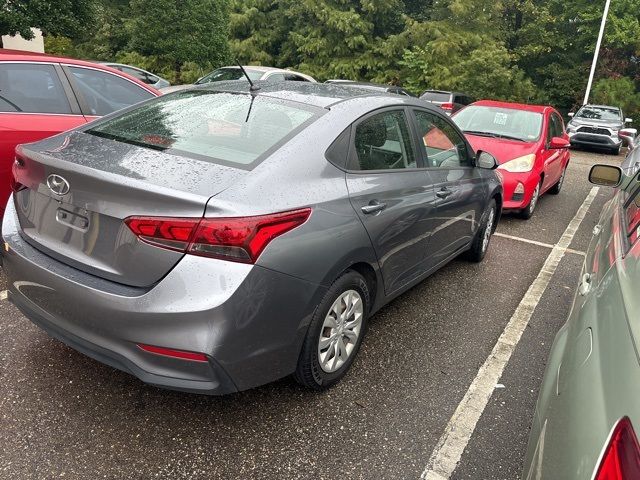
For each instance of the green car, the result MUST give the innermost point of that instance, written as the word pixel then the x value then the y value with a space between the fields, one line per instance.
pixel 589 402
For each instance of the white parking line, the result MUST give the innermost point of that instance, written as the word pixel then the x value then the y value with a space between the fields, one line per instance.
pixel 448 451
pixel 535 242
pixel 3 295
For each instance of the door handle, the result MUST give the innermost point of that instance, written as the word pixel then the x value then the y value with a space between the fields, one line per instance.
pixel 596 230
pixel 585 284
pixel 373 207
pixel 444 192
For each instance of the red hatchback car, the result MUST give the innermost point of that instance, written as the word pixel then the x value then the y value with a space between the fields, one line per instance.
pixel 529 142
pixel 41 95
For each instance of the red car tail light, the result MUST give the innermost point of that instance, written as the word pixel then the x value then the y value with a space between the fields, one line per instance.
pixel 238 239
pixel 170 352
pixel 13 183
pixel 621 459
pixel 446 106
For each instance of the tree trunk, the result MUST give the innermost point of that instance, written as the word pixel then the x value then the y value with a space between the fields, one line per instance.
pixel 176 68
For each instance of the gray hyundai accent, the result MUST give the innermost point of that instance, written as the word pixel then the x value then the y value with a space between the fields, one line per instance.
pixel 213 240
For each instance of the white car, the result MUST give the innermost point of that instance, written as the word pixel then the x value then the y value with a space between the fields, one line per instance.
pixel 269 74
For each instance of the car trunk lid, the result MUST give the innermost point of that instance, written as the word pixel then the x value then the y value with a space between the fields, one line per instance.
pixel 107 182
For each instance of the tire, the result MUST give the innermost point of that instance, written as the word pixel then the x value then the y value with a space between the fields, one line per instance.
pixel 555 190
pixel 317 368
pixel 480 243
pixel 615 151
pixel 527 212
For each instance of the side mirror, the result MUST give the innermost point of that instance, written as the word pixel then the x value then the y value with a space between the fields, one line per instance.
pixel 605 175
pixel 628 120
pixel 486 160
pixel 559 143
pixel 571 114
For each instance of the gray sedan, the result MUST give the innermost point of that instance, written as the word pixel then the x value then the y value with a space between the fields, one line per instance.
pixel 213 240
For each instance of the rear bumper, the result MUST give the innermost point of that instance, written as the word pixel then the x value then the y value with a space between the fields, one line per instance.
pixel 250 321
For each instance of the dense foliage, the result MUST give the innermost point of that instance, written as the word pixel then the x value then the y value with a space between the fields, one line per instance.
pixel 67 17
pixel 524 50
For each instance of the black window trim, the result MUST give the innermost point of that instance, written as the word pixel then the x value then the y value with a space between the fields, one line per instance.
pixel 470 152
pixel 74 106
pixel 84 105
pixel 352 156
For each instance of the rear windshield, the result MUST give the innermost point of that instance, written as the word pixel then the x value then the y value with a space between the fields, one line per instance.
pixel 221 127
pixel 223 74
pixel 436 96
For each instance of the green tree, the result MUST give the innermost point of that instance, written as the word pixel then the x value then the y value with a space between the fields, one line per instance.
pixel 177 32
pixel 56 17
pixel 620 92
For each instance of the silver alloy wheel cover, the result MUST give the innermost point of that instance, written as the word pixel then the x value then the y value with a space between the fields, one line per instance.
pixel 340 331
pixel 534 198
pixel 488 229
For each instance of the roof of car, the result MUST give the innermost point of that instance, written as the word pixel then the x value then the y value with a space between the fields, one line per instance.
pixel 368 85
pixel 515 106
pixel 7 55
pixel 321 95
pixel 21 55
pixel 600 106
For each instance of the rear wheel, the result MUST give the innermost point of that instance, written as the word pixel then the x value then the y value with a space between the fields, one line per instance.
pixel 480 243
pixel 335 333
pixel 616 150
pixel 558 186
pixel 527 212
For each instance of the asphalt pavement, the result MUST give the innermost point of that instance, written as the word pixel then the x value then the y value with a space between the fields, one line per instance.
pixel 63 415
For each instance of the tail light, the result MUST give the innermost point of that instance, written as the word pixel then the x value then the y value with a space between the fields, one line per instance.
pixel 13 183
pixel 447 106
pixel 239 239
pixel 621 459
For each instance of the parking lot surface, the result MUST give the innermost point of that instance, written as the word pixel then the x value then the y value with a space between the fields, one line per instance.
pixel 65 415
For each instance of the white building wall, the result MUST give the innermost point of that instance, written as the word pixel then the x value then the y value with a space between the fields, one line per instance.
pixel 19 43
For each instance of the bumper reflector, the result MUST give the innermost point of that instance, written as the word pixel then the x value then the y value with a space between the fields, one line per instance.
pixel 169 352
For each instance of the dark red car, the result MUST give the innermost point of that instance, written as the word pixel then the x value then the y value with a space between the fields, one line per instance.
pixel 529 142
pixel 41 95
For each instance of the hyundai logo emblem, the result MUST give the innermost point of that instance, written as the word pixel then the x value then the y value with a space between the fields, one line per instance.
pixel 57 184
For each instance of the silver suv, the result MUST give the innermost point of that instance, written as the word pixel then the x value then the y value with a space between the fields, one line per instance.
pixel 597 126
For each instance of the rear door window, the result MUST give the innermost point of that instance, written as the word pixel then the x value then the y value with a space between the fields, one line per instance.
pixel 104 92
pixel 292 77
pixel 383 142
pixel 440 97
pixel 228 128
pixel 140 75
pixel 32 88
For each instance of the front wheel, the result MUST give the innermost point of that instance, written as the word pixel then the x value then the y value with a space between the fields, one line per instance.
pixel 615 150
pixel 527 212
pixel 335 333
pixel 481 241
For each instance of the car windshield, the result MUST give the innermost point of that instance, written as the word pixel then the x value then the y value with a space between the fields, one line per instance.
pixel 222 74
pixel 599 113
pixel 220 127
pixel 500 122
pixel 436 96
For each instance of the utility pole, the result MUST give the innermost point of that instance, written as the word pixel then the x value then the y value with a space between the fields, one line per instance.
pixel 595 55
